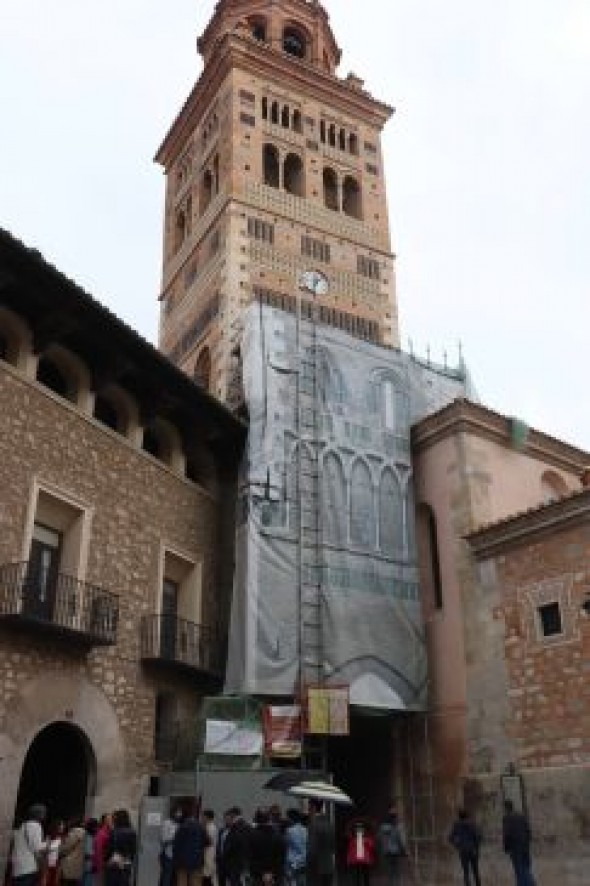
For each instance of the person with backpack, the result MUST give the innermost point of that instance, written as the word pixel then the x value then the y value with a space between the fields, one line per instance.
pixel 392 845
pixel 465 838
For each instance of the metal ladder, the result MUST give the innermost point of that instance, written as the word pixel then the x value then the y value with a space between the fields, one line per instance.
pixel 311 651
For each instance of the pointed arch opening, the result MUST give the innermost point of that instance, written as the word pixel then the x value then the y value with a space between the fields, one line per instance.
pixel 391 515
pixel 351 198
pixel 271 166
pixel 362 506
pixel 293 175
pixel 274 113
pixel 330 182
pixel 334 510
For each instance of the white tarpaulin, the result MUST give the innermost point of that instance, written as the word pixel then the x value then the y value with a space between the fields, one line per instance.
pixel 365 399
pixel 225 737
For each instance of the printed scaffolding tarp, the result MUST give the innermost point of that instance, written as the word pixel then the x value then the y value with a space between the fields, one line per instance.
pixel 367 397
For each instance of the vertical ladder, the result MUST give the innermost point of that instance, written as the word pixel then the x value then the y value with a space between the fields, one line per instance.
pixel 311 653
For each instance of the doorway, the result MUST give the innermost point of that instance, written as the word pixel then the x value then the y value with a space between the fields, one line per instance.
pixel 59 771
pixel 42 570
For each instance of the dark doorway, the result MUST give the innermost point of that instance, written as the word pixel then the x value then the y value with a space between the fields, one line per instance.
pixel 361 765
pixel 42 570
pixel 169 619
pixel 59 771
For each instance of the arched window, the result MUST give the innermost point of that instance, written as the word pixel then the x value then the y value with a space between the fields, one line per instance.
pixel 391 515
pixel 342 140
pixel 202 373
pixel 353 144
pixel 274 112
pixel 115 408
pixel 297 121
pixel 294 42
pixel 179 229
pixel 334 508
pixel 161 440
pixel 15 337
pixel 258 30
pixel 53 377
pixel 206 189
pixel 429 555
pixel 323 131
pixel 362 512
pixel 265 108
pixel 285 117
pixel 105 412
pixel 293 175
pixel 332 135
pixel 271 166
pixel 330 189
pixel 351 197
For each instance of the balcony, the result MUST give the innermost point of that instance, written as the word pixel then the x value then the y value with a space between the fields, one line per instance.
pixel 57 604
pixel 181 645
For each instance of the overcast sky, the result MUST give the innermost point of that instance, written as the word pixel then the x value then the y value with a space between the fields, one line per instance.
pixel 487 157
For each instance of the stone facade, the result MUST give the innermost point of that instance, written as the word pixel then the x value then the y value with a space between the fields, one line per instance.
pixel 500 694
pixel 273 167
pixel 126 520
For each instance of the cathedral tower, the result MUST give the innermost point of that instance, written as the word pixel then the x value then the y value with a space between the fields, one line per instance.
pixel 273 169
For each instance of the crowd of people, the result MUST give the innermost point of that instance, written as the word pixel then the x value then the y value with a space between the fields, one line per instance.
pixel 294 849
pixel 73 853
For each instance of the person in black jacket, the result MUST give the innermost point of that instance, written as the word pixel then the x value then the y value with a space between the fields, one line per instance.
pixel 188 850
pixel 267 851
pixel 235 854
pixel 466 838
pixel 517 844
pixel 321 846
pixel 121 851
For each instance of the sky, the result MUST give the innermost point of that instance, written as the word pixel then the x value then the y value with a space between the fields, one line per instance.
pixel 487 159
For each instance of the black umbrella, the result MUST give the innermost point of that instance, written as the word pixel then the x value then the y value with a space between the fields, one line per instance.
pixel 284 781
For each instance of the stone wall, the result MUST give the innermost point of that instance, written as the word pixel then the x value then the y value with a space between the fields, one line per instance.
pixel 135 506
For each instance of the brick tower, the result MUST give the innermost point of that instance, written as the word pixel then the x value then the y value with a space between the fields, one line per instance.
pixel 273 169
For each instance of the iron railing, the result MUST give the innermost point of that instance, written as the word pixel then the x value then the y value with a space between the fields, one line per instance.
pixel 61 603
pixel 167 638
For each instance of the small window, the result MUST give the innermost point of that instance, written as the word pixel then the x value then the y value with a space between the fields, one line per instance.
pixel 259 31
pixel 550 619
pixel 294 43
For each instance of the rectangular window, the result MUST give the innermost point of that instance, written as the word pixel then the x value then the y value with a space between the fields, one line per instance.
pixel 370 148
pixel 261 230
pixel 368 267
pixel 247 97
pixel 315 249
pixel 248 119
pixel 372 169
pixel 550 621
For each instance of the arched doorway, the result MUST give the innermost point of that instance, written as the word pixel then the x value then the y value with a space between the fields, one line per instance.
pixel 59 771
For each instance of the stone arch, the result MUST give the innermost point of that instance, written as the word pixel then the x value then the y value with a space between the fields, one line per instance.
pixel 334 498
pixel 351 197
pixel 116 408
pixel 73 699
pixel 391 514
pixel 362 505
pixel 271 166
pixel 330 182
pixel 296 41
pixel 293 175
pixel 63 372
pixel 15 338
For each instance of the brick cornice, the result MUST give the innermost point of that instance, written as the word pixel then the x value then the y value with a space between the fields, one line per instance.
pixel 528 526
pixel 464 416
pixel 241 51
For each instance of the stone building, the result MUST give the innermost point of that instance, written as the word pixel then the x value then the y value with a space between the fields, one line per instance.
pixel 502 525
pixel 117 479
pixel 273 168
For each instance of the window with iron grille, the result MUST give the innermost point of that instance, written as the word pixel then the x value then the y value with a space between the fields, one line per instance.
pixel 315 249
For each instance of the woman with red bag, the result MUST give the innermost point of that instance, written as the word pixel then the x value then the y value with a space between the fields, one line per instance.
pixel 360 853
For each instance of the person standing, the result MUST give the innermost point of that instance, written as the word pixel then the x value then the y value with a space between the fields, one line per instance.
pixel 29 848
pixel 210 866
pixel 295 848
pixel 235 857
pixel 188 850
pixel 121 851
pixel 222 876
pixel 360 853
pixel 392 845
pixel 321 846
pixel 54 837
pixel 71 854
pixel 267 851
pixel 517 836
pixel 101 842
pixel 167 834
pixel 465 837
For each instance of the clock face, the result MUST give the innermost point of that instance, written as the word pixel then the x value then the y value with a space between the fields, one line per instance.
pixel 315 282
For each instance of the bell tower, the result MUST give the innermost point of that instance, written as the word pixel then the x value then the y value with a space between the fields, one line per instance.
pixel 273 170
